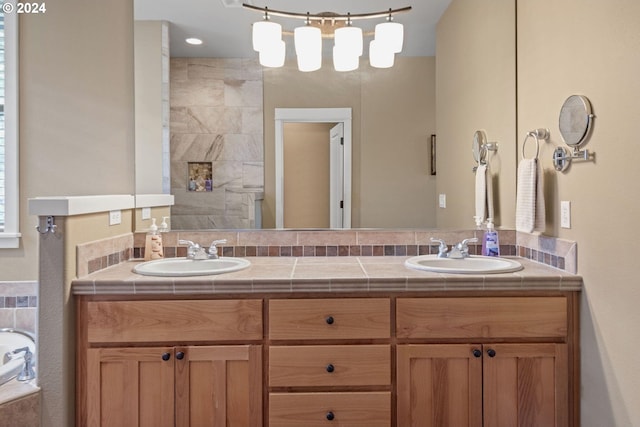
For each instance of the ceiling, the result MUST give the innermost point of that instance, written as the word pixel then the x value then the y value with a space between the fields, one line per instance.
pixel 226 31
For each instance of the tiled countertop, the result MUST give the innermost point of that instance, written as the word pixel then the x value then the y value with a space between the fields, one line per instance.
pixel 323 274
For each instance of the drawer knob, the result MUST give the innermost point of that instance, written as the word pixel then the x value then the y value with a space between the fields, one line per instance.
pixel 180 355
pixel 329 320
pixel 330 416
pixel 330 368
pixel 477 353
pixel 166 356
pixel 491 352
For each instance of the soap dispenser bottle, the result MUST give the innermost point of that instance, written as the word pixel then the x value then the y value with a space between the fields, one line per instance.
pixel 153 243
pixel 490 242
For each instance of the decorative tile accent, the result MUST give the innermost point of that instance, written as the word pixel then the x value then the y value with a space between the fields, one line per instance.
pixel 18 305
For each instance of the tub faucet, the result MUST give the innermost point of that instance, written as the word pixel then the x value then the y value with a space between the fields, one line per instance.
pixel 27 373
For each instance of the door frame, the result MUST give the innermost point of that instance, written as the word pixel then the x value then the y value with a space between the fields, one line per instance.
pixel 312 115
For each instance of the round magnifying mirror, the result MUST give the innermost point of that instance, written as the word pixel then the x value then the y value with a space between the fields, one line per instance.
pixel 478 146
pixel 575 119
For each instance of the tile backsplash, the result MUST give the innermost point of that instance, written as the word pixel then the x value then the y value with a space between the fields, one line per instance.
pixel 554 252
pixel 19 305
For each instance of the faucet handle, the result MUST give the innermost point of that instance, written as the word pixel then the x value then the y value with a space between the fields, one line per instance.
pixel 188 243
pixel 442 248
pixel 465 242
pixel 213 249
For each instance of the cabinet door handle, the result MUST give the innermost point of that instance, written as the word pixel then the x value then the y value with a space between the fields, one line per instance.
pixel 491 352
pixel 166 356
pixel 329 320
pixel 180 355
pixel 330 368
pixel 330 416
pixel 476 353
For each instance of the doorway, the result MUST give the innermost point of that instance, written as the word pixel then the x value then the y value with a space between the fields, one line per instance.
pixel 313 173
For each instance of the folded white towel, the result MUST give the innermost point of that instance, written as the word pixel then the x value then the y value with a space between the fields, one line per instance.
pixel 530 197
pixel 481 192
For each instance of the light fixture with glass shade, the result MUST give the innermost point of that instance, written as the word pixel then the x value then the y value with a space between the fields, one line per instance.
pixel 348 39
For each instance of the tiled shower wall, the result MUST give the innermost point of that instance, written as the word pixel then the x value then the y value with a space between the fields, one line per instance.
pixel 216 116
pixel 19 305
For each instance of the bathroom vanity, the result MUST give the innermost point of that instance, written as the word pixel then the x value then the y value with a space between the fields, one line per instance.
pixel 350 341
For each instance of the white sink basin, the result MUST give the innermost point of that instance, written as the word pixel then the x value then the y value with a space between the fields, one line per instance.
pixel 181 267
pixel 475 264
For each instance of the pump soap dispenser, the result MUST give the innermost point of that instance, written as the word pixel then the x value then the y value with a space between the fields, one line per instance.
pixel 153 243
pixel 490 243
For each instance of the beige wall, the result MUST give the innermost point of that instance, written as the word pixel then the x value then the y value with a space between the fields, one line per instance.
pixel 392 116
pixel 476 89
pixel 76 112
pixel 593 48
pixel 306 173
pixel 151 105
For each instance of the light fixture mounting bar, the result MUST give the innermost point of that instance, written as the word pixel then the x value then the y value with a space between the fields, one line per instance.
pixel 327 16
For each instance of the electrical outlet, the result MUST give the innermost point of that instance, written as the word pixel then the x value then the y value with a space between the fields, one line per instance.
pixel 146 213
pixel 115 217
pixel 565 214
pixel 442 200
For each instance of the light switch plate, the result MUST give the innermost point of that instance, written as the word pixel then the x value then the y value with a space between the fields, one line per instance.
pixel 115 217
pixel 442 200
pixel 565 214
pixel 146 213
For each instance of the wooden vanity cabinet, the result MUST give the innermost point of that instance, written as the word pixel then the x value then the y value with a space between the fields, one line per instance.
pixel 330 362
pixel 126 382
pixel 445 359
pixel 480 362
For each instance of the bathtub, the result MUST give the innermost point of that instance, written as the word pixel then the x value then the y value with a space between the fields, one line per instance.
pixel 10 340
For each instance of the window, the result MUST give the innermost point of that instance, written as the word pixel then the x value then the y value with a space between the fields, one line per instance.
pixel 9 215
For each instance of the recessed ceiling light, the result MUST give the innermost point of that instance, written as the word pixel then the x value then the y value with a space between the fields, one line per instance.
pixel 194 41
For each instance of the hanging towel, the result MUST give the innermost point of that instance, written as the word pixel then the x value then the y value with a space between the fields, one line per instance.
pixel 530 209
pixel 481 192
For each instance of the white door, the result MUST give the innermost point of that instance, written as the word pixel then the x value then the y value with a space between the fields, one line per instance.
pixel 336 184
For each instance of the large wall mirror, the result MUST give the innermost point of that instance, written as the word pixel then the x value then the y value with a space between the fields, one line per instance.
pixel 217 121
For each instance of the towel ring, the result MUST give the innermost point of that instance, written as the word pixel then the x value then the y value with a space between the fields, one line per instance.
pixel 536 134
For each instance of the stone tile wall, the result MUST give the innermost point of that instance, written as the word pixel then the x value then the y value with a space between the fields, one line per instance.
pixel 216 116
pixel 19 305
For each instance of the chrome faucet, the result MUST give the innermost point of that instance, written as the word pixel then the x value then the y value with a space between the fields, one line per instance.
pixel 442 249
pixel 458 251
pixel 461 250
pixel 197 252
pixel 213 249
pixel 27 373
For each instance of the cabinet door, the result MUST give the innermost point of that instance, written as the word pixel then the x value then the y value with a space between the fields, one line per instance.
pixel 439 385
pixel 131 387
pixel 525 385
pixel 219 386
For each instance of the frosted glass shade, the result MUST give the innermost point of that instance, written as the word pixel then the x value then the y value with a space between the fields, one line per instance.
pixel 273 56
pixel 380 56
pixel 266 34
pixel 349 39
pixel 391 35
pixel 345 60
pixel 308 43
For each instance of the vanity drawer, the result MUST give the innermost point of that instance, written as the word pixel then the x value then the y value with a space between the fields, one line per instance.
pixel 482 317
pixel 174 321
pixel 331 318
pixel 366 409
pixel 330 365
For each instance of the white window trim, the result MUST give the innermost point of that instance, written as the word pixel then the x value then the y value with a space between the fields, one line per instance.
pixel 10 237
